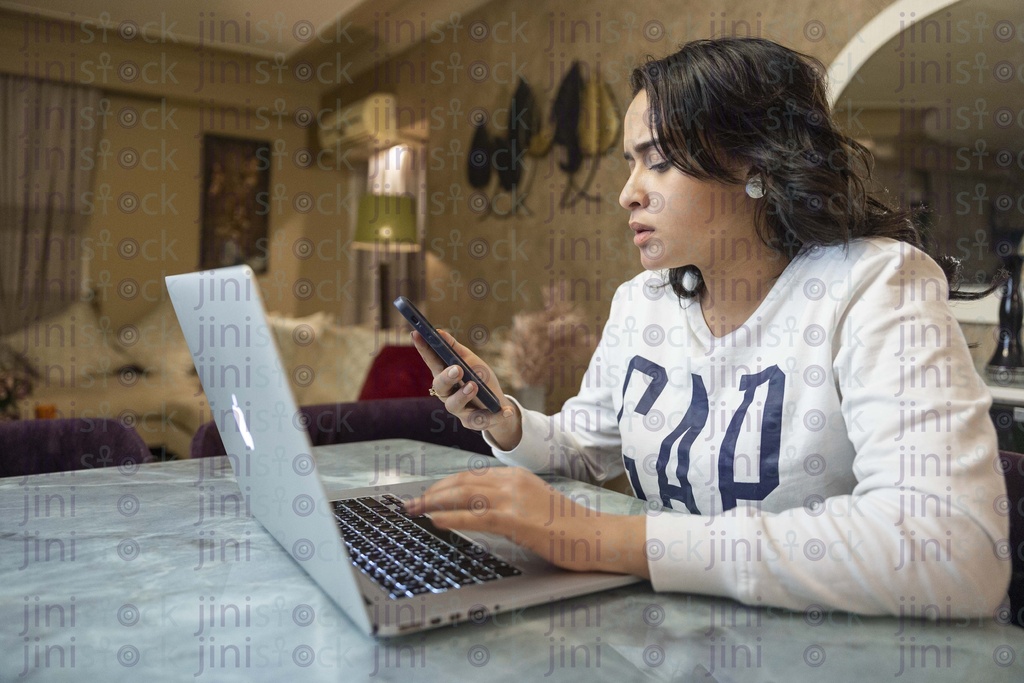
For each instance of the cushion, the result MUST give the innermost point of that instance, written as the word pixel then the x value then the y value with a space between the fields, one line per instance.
pixel 69 347
pixel 155 343
pixel 334 369
pixel 297 337
pixel 397 372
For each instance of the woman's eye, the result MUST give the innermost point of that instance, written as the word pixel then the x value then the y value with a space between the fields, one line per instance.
pixel 656 162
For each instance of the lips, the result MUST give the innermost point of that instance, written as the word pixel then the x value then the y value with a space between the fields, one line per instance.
pixel 641 233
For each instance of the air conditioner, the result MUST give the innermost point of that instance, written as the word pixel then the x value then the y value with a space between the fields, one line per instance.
pixel 362 127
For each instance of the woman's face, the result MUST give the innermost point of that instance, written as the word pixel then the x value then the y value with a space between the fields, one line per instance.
pixel 677 220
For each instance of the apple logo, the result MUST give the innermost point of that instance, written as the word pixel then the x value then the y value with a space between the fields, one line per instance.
pixel 243 429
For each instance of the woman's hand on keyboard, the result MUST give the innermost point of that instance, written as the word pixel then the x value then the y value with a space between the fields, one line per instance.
pixel 519 505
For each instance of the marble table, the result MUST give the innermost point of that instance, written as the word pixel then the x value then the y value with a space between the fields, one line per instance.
pixel 158 573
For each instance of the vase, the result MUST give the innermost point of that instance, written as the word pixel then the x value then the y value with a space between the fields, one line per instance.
pixel 1007 364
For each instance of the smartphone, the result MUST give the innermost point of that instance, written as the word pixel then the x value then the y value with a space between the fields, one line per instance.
pixel 484 396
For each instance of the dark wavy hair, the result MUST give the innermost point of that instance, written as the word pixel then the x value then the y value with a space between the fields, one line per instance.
pixel 718 105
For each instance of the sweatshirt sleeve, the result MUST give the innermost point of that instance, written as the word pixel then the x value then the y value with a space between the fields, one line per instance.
pixel 923 532
pixel 581 441
pixel 548 448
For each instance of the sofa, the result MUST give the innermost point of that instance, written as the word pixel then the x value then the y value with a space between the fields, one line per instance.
pixel 142 374
pixel 43 446
pixel 420 419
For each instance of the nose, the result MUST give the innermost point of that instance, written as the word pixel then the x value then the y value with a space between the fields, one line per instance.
pixel 632 196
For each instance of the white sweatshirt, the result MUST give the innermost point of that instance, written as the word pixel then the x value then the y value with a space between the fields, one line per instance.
pixel 835 451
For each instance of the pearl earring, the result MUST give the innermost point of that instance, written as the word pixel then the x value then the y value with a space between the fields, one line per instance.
pixel 755 187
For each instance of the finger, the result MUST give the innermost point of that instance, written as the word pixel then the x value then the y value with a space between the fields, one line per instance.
pixel 483 372
pixel 455 344
pixel 459 396
pixel 465 520
pixel 476 479
pixel 453 493
pixel 427 354
pixel 431 357
pixel 468 355
pixel 447 383
pixel 447 380
pixel 462 403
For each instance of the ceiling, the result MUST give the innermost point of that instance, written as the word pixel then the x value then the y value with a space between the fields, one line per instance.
pixel 978 41
pixel 272 27
pixel 297 29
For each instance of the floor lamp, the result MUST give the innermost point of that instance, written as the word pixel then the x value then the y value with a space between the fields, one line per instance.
pixel 386 225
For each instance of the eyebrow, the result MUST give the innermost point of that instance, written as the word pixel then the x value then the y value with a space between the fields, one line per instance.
pixel 640 149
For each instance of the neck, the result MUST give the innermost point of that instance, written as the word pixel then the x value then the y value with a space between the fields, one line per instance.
pixel 731 296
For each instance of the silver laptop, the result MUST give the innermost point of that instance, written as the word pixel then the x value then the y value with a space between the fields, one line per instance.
pixel 390 573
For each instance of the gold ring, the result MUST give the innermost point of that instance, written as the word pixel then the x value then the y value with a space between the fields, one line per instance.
pixel 434 393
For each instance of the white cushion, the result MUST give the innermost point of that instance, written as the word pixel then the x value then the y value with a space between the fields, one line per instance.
pixel 298 338
pixel 155 342
pixel 69 347
pixel 338 364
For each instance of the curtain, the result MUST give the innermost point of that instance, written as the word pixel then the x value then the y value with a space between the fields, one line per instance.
pixel 48 132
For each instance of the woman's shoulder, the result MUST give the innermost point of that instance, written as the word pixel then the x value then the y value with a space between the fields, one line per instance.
pixel 870 256
pixel 865 269
pixel 870 275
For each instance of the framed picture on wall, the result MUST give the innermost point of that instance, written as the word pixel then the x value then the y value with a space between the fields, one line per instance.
pixel 235 215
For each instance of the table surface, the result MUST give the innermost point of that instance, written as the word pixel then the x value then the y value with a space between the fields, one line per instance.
pixel 158 573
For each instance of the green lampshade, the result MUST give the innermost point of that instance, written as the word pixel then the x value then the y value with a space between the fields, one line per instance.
pixel 388 222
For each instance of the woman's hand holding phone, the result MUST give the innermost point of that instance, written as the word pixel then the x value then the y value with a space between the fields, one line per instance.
pixel 504 427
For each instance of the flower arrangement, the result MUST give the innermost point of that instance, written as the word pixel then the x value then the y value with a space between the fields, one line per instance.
pixel 16 377
pixel 541 341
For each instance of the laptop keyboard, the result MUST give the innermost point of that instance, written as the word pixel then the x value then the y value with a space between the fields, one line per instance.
pixel 407 555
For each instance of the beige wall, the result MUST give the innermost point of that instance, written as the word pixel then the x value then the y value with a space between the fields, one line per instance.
pixel 177 96
pixel 161 236
pixel 480 269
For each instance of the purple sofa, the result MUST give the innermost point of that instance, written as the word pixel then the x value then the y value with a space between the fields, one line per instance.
pixel 44 446
pixel 421 419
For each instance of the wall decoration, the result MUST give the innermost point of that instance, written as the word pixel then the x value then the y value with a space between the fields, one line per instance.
pixel 235 204
pixel 504 154
pixel 584 120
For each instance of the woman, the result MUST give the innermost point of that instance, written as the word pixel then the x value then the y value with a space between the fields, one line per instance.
pixel 799 410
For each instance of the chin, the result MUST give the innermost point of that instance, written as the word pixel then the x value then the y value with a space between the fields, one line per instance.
pixel 659 262
pixel 652 261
